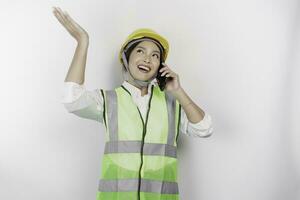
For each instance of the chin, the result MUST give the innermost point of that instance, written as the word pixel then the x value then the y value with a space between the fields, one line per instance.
pixel 142 79
pixel 145 77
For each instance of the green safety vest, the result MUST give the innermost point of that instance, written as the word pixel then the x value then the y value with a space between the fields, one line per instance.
pixel 140 159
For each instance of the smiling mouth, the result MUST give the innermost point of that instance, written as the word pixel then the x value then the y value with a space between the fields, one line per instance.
pixel 143 68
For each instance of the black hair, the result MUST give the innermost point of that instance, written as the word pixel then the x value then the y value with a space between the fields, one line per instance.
pixel 130 49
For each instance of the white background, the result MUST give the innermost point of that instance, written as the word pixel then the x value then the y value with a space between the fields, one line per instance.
pixel 237 59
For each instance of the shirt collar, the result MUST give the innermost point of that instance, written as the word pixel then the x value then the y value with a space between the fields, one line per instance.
pixel 136 91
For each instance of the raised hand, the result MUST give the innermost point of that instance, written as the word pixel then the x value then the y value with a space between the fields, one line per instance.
pixel 72 27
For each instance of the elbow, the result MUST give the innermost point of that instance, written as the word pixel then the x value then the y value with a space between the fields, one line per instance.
pixel 68 107
pixel 204 133
pixel 207 133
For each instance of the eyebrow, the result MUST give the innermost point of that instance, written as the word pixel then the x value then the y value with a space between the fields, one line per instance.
pixel 144 48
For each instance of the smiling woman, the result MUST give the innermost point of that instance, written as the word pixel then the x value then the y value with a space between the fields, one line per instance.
pixel 142 119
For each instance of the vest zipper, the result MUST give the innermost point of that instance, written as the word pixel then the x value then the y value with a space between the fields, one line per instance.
pixel 143 138
pixel 142 147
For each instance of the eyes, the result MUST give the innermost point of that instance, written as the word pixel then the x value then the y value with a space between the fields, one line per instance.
pixel 140 50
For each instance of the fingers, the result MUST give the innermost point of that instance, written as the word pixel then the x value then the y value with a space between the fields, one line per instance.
pixel 59 13
pixel 62 17
pixel 164 66
pixel 70 20
pixel 165 70
pixel 58 16
pixel 172 74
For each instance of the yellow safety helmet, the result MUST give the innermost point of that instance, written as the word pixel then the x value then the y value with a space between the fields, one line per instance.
pixel 147 33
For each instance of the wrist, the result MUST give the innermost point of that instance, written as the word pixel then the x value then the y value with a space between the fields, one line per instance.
pixel 83 43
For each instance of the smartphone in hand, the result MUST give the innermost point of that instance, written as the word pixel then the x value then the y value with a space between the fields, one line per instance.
pixel 162 80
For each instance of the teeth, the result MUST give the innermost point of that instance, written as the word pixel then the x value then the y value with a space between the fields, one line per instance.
pixel 144 67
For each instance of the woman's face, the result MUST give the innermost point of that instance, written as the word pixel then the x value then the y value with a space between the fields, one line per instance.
pixel 144 60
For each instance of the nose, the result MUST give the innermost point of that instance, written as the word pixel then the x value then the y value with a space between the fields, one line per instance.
pixel 147 59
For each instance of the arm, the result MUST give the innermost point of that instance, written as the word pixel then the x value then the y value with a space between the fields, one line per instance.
pixel 76 99
pixel 77 68
pixel 193 112
pixel 194 121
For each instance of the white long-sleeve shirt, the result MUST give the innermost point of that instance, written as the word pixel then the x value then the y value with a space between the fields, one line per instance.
pixel 89 104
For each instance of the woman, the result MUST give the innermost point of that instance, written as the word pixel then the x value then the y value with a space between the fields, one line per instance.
pixel 142 119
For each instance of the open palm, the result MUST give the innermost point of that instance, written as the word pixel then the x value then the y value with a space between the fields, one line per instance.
pixel 72 27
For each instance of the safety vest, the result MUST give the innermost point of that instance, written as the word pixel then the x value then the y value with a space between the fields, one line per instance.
pixel 140 159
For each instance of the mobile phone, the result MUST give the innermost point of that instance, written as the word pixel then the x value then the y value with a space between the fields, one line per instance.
pixel 162 80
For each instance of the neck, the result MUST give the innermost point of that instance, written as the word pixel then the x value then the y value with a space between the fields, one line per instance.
pixel 144 90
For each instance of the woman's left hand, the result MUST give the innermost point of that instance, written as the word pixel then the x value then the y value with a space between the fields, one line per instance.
pixel 173 84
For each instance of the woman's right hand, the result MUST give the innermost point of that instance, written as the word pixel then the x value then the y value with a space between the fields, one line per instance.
pixel 72 27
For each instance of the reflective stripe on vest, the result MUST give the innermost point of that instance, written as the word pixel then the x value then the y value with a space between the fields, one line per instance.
pixel 139 156
pixel 129 185
pixel 135 147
